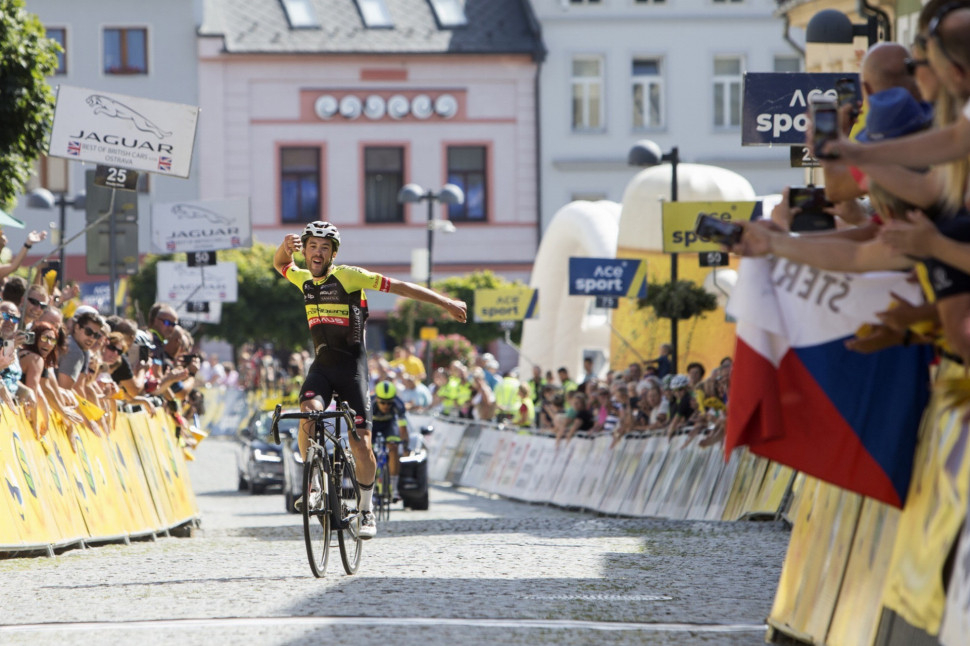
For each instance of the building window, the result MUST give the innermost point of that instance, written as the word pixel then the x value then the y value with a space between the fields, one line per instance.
pixel 787 64
pixel 449 13
pixel 374 13
pixel 467 170
pixel 647 93
pixel 59 35
pixel 587 89
pixel 300 184
pixel 383 179
pixel 727 91
pixel 125 51
pixel 300 14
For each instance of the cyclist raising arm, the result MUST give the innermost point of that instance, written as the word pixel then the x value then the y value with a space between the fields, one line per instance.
pixel 336 311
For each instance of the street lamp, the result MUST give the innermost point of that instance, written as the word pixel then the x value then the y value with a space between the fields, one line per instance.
pixel 41 198
pixel 647 153
pixel 831 26
pixel 449 194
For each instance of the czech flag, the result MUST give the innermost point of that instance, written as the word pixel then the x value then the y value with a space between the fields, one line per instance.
pixel 800 397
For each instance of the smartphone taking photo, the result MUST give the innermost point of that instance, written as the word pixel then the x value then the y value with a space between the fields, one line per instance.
pixel 825 117
pixel 717 230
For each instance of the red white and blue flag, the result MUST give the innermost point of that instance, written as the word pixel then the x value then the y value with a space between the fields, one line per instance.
pixel 73 148
pixel 800 397
pixel 165 163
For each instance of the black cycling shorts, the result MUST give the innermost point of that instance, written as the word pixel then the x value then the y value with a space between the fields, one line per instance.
pixel 348 379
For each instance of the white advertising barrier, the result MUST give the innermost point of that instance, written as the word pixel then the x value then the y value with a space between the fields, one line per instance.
pixel 654 459
pixel 598 472
pixel 704 491
pixel 178 282
pixel 208 225
pixel 480 459
pixel 518 450
pixel 123 131
pixel 685 481
pixel 498 462
pixel 576 460
pixel 629 454
pixel 665 480
pixel 538 446
pixel 462 453
pixel 447 436
pixel 548 470
pixel 722 489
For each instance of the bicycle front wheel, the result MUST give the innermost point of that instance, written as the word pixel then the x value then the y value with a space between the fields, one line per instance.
pixel 316 513
pixel 349 538
pixel 382 493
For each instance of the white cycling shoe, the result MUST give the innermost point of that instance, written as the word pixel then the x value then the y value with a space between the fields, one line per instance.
pixel 368 525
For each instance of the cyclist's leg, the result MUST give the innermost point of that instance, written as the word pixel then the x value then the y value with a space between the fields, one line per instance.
pixel 315 395
pixel 354 390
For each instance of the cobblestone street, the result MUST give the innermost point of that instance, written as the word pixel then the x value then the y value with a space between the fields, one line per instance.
pixel 471 570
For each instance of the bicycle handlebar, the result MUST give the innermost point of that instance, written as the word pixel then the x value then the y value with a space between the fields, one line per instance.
pixel 344 410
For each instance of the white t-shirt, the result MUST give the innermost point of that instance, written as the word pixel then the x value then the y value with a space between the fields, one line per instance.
pixel 663 408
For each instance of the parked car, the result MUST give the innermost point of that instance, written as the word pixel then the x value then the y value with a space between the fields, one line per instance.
pixel 260 461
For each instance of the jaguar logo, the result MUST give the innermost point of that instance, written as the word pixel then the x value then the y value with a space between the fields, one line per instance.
pixel 117 110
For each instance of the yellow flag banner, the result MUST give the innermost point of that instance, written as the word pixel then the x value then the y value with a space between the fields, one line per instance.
pixel 509 304
pixel 679 218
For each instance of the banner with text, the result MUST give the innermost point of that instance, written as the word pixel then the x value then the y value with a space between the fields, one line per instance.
pixel 123 131
pixel 775 106
pixel 607 277
pixel 509 304
pixel 201 226
pixel 679 218
pixel 178 282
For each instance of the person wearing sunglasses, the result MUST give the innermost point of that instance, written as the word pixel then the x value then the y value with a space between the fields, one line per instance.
pixel 35 304
pixel 86 332
pixel 948 53
pixel 39 361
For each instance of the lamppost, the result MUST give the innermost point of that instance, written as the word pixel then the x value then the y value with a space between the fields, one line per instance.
pixel 647 153
pixel 831 26
pixel 449 194
pixel 41 198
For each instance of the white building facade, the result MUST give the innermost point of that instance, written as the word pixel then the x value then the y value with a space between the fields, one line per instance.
pixel 666 70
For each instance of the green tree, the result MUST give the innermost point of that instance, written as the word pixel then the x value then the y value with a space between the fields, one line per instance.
pixel 409 315
pixel 27 58
pixel 680 299
pixel 269 308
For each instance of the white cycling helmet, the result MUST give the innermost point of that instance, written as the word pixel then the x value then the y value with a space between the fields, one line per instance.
pixel 679 381
pixel 320 229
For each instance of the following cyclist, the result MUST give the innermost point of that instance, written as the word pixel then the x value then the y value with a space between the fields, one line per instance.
pixel 389 417
pixel 336 310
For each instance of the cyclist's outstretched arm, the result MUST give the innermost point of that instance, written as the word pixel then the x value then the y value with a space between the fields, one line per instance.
pixel 456 308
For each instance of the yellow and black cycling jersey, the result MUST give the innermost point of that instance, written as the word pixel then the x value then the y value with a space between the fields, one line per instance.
pixel 336 305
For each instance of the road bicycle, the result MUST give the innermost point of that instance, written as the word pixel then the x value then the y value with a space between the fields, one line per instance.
pixel 331 493
pixel 383 495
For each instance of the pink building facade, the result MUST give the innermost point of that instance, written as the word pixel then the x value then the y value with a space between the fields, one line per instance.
pixel 307 132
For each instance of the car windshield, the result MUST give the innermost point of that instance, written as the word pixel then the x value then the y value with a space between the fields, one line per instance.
pixel 263 428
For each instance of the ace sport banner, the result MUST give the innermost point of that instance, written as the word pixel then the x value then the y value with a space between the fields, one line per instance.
pixel 800 397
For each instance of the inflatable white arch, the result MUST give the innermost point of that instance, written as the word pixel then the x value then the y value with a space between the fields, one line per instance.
pixel 640 221
pixel 564 329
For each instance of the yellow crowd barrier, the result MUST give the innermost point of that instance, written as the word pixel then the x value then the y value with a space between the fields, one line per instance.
pixel 861 572
pixel 72 486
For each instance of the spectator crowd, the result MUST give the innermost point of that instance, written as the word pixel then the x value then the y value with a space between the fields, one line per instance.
pixel 644 397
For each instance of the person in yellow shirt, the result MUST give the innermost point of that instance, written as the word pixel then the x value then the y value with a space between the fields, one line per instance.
pixel 406 361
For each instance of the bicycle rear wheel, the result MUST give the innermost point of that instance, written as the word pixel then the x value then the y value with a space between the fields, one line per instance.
pixel 349 538
pixel 316 513
pixel 382 493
